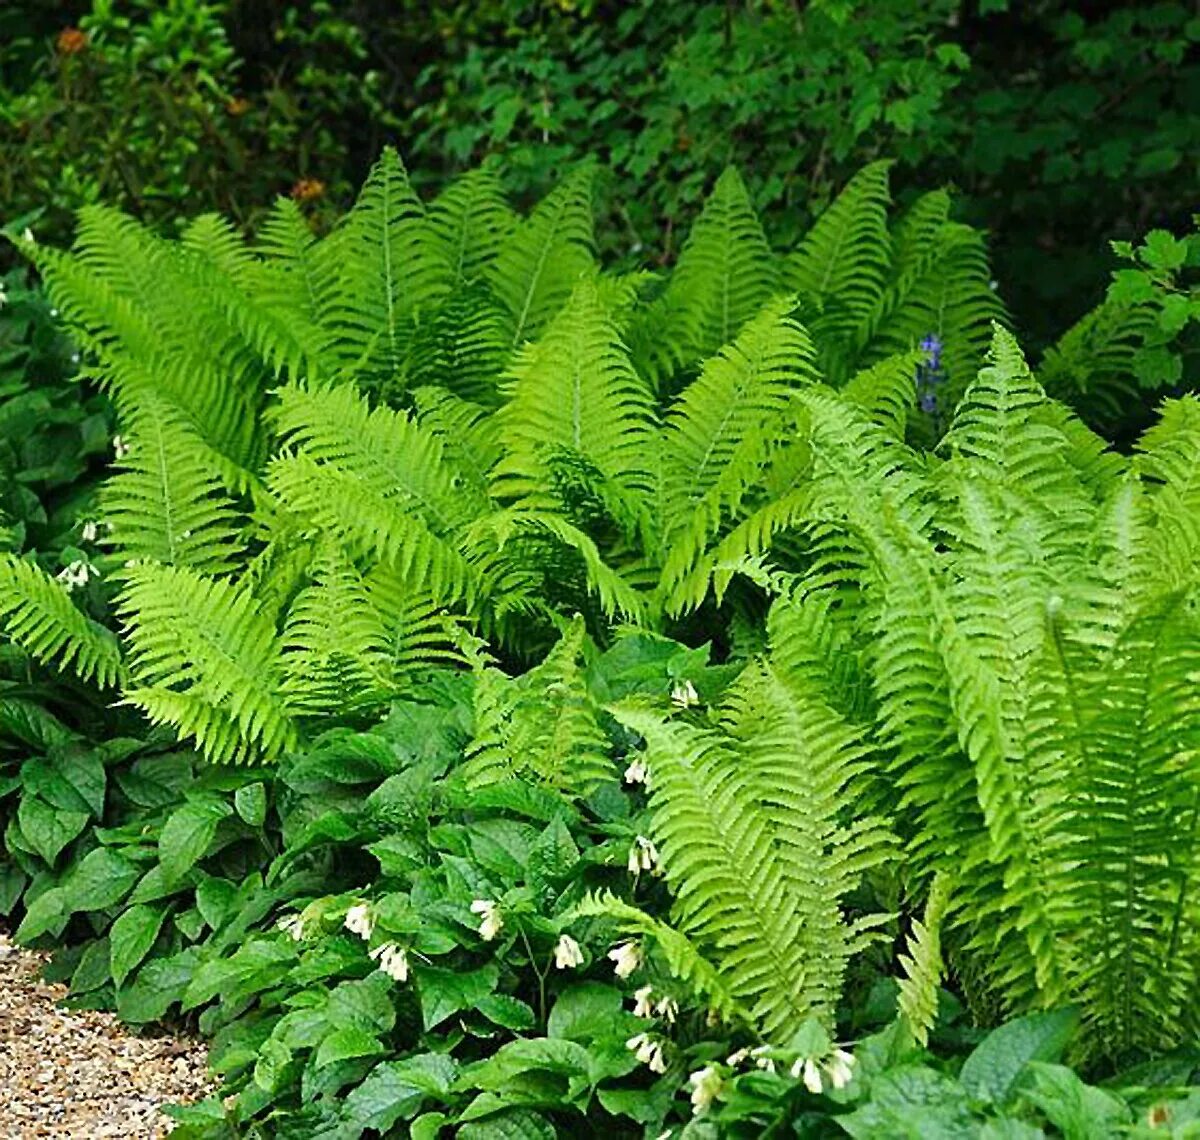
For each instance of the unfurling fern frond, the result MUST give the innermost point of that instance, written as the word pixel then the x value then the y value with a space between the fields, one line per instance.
pixel 542 260
pixel 542 727
pixel 38 615
pixel 753 822
pixel 203 659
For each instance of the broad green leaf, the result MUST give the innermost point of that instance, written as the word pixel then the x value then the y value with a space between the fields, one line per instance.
pixel 395 1090
pixel 587 1011
pixel 446 992
pixel 187 834
pixel 365 1004
pixel 131 937
pixel 514 1124
pixel 46 829
pixel 506 1011
pixel 48 912
pixel 990 1073
pixel 251 803
pixel 1079 1111
pixel 101 879
pixel 344 1044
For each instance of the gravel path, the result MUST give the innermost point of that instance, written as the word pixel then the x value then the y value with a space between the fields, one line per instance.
pixel 82 1074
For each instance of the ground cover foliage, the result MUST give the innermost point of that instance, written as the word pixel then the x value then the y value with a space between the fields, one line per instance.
pixel 534 699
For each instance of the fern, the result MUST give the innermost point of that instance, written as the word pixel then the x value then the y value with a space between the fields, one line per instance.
pixel 38 614
pixel 758 849
pixel 575 392
pixel 541 261
pixel 542 726
pixel 204 660
pixel 923 965
pixel 726 273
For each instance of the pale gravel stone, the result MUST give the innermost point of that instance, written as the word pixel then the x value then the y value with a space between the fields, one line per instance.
pixel 82 1074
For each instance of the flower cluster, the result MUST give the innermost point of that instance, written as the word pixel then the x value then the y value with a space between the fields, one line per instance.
pixel 643 855
pixel 649 1050
pixel 77 574
pixel 392 959
pixel 645 1005
pixel 491 920
pixel 71 41
pixel 626 958
pixel 567 954
pixel 930 375
pixel 360 920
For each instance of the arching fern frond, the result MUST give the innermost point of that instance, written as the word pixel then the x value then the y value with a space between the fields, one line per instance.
pixel 725 274
pixel 203 659
pixel 167 504
pixel 390 268
pixel 683 959
pixel 720 435
pixel 840 269
pixel 470 220
pixel 575 391
pixel 38 615
pixel 541 261
pixel 750 820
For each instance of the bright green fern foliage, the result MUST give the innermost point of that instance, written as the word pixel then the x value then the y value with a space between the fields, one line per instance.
pixel 1015 625
pixel 444 413
pixel 753 817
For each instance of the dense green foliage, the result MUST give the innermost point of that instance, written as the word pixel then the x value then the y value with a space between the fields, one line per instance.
pixel 754 640
pixel 222 105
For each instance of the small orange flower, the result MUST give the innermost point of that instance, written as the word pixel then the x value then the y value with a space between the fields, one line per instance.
pixel 237 106
pixel 307 189
pixel 71 41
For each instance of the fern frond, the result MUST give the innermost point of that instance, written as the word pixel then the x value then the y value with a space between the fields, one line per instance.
pixel 167 504
pixel 541 261
pixel 574 391
pixel 461 345
pixel 390 268
pixel 923 965
pixel 39 616
pixel 887 391
pixel 377 479
pixel 683 959
pixel 720 435
pixel 754 845
pixel 334 641
pixel 840 268
pixel 725 274
pixel 541 727
pixel 470 220
pixel 1169 464
pixel 203 659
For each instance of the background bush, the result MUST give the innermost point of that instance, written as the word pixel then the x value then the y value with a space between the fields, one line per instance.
pixel 223 105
